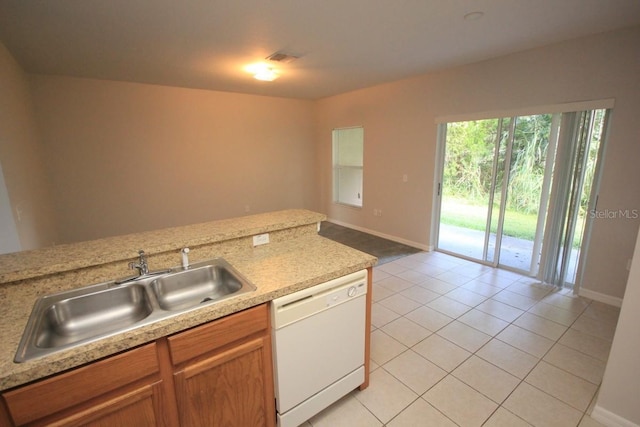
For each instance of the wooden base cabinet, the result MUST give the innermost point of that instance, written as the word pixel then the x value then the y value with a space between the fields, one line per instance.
pixel 139 407
pixel 223 378
pixel 216 374
pixel 122 390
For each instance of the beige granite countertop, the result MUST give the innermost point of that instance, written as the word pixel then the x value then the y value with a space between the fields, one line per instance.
pixel 27 264
pixel 276 269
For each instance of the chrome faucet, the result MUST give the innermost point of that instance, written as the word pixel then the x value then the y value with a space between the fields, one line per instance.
pixel 143 269
pixel 142 266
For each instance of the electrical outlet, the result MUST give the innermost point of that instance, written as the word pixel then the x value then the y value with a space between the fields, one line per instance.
pixel 405 178
pixel 261 239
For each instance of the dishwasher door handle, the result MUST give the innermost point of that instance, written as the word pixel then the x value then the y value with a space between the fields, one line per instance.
pixel 292 303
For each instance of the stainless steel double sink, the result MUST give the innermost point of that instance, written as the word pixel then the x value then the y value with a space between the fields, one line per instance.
pixel 79 316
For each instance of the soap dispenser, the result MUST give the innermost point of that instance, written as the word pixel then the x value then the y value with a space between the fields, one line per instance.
pixel 185 258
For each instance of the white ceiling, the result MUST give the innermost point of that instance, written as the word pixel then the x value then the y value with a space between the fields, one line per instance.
pixel 343 44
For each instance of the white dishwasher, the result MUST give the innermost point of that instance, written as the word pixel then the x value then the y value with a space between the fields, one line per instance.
pixel 318 346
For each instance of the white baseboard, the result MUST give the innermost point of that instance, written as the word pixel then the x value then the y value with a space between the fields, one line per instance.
pixel 610 419
pixel 384 236
pixel 597 296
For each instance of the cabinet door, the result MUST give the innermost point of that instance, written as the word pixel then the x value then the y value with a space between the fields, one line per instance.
pixel 140 407
pixel 230 388
pixel 83 388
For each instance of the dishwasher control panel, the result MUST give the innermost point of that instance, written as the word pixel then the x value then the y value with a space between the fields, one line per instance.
pixel 299 305
pixel 344 294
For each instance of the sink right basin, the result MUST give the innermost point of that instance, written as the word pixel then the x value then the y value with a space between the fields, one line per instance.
pixel 200 284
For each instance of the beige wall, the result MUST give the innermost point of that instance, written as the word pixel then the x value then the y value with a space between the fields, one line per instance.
pixel 21 159
pixel 400 137
pixel 125 157
pixel 128 157
pixel 617 403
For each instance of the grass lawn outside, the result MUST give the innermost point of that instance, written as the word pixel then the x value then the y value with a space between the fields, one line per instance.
pixel 463 214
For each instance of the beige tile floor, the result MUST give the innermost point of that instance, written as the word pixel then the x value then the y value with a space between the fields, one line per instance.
pixel 455 343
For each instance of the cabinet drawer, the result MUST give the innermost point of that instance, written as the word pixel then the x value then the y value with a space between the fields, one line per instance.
pixel 77 386
pixel 202 339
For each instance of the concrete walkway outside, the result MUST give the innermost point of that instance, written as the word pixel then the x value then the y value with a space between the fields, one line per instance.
pixel 514 253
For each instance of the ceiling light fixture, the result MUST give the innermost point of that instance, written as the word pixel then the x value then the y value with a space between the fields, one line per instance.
pixel 266 75
pixel 262 71
pixel 473 16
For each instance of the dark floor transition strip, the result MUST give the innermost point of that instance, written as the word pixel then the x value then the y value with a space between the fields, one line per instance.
pixel 385 250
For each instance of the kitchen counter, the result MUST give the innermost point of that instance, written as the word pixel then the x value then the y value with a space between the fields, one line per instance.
pixel 60 258
pixel 295 259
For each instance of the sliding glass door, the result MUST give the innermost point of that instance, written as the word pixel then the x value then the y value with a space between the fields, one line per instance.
pixel 469 163
pixel 532 150
pixel 495 189
pixel 505 181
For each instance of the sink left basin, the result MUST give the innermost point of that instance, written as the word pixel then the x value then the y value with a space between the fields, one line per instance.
pixel 78 318
pixel 69 318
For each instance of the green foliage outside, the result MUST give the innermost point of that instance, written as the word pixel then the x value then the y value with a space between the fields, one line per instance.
pixel 469 167
pixel 469 161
